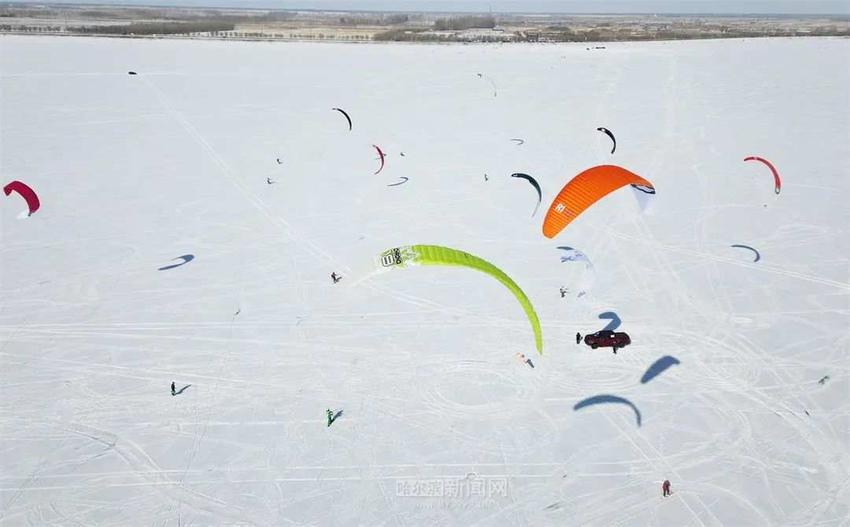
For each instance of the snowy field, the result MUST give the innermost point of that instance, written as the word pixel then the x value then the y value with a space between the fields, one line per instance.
pixel 441 424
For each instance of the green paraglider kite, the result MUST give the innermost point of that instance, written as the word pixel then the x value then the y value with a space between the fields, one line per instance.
pixel 437 255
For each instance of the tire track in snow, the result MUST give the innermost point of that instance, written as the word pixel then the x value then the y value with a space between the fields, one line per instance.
pixel 283 224
pixel 137 458
pixel 658 246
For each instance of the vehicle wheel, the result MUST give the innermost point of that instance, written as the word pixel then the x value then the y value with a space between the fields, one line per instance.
pixel 594 346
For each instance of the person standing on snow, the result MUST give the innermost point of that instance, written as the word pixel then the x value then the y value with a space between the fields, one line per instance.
pixel 330 416
pixel 522 358
pixel 336 278
pixel 578 338
pixel 665 488
pixel 173 389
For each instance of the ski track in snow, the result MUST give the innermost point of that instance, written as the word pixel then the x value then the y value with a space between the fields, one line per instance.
pixel 134 170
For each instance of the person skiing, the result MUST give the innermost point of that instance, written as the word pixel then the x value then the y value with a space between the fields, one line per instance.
pixel 522 358
pixel 330 416
pixel 665 488
pixel 173 389
pixel 578 338
pixel 335 277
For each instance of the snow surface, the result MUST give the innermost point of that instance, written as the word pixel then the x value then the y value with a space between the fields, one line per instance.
pixel 135 171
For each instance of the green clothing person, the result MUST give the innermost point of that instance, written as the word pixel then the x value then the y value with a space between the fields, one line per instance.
pixel 330 417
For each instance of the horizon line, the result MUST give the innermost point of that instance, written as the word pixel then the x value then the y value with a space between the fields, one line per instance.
pixel 489 11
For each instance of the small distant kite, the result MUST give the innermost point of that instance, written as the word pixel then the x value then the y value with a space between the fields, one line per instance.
pixel 186 258
pixel 609 134
pixel 589 275
pixel 493 84
pixel 755 252
pixel 777 183
pixel 534 184
pixel 381 156
pixel 131 73
pixel 25 192
pixel 347 118
pixel 399 182
pixel 518 141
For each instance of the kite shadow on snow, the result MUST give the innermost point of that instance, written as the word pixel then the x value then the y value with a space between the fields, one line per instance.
pixel 186 259
pixel 336 415
pixel 658 367
pixel 614 320
pixel 603 399
pixel 181 390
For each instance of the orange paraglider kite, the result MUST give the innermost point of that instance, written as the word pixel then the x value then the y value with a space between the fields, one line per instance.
pixel 586 189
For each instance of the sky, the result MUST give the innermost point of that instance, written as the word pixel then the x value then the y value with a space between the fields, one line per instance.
pixel 529 6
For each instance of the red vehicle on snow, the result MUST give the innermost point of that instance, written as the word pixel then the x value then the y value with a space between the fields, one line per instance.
pixel 607 339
